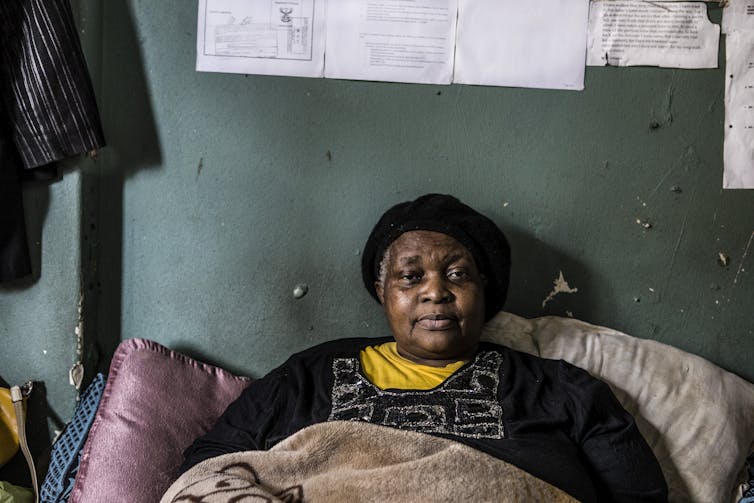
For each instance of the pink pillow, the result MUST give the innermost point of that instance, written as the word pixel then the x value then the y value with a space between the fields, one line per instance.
pixel 155 403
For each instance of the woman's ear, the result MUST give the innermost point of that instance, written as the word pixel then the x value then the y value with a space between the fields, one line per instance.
pixel 380 291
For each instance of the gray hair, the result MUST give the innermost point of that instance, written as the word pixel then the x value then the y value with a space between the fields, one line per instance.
pixel 384 263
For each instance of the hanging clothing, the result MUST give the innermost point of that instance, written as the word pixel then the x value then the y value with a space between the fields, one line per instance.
pixel 47 110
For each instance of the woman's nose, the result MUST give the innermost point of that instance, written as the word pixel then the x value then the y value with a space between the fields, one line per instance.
pixel 436 289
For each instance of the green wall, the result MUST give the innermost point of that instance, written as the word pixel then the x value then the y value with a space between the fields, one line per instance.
pixel 38 315
pixel 219 193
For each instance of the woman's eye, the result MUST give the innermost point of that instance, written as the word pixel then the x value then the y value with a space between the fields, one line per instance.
pixel 457 275
pixel 410 277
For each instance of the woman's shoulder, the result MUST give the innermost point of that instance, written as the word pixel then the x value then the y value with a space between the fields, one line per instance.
pixel 317 359
pixel 519 357
pixel 521 363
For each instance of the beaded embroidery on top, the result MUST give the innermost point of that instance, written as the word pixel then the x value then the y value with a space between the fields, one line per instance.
pixel 465 405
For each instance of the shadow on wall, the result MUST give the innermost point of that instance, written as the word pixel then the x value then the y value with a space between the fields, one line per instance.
pixel 546 282
pixel 133 145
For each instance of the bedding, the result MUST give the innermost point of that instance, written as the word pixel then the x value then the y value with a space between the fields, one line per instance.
pixel 155 402
pixel 697 417
pixel 345 461
pixel 547 417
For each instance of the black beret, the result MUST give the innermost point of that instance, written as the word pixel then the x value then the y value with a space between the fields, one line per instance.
pixel 445 214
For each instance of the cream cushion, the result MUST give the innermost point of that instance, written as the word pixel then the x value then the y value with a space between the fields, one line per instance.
pixel 697 418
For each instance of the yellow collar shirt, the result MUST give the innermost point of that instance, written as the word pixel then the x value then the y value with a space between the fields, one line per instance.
pixel 386 369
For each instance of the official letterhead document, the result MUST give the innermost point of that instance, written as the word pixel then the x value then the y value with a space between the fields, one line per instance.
pixel 531 43
pixel 536 43
pixel 391 40
pixel 738 144
pixel 738 15
pixel 639 32
pixel 268 37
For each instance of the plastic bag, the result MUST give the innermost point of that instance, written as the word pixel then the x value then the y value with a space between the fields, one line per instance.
pixel 8 427
pixel 15 494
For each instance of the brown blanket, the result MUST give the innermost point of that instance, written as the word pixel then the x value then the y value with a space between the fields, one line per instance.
pixel 351 462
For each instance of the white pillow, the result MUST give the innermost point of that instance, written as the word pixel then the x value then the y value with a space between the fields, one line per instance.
pixel 697 418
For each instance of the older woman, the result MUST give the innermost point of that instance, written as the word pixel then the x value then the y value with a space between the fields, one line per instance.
pixel 440 270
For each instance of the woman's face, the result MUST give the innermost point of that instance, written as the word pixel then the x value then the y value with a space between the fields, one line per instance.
pixel 433 296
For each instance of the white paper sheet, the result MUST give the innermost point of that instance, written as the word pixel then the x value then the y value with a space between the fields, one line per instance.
pixel 269 37
pixel 667 34
pixel 738 145
pixel 530 43
pixel 738 15
pixel 391 40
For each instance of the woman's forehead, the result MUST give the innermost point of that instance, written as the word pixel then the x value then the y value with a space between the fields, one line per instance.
pixel 414 246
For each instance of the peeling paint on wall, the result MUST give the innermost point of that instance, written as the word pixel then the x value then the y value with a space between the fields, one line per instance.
pixel 300 290
pixel 723 259
pixel 76 373
pixel 743 258
pixel 560 285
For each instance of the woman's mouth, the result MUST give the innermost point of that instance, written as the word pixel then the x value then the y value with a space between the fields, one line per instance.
pixel 436 322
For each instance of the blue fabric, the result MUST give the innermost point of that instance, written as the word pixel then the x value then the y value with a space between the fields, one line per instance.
pixel 66 452
pixel 748 496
